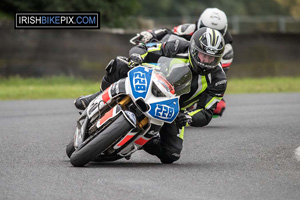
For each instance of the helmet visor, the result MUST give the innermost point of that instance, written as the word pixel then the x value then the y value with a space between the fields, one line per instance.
pixel 222 31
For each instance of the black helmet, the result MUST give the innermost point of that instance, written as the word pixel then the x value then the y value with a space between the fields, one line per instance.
pixel 205 50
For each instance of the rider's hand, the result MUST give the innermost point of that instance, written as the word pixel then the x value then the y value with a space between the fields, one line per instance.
pixel 183 119
pixel 147 36
pixel 135 60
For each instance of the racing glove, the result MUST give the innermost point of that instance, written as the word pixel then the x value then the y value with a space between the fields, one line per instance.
pixel 153 35
pixel 135 60
pixel 146 36
pixel 183 119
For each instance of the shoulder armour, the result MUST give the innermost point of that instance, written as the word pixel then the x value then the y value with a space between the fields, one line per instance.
pixel 184 29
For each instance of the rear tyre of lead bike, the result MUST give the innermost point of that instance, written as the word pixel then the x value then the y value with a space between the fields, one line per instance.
pixel 101 142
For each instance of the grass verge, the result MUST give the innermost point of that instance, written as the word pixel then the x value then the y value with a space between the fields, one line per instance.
pixel 46 88
pixel 68 87
pixel 263 85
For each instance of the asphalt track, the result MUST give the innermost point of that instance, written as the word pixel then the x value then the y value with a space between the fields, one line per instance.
pixel 246 154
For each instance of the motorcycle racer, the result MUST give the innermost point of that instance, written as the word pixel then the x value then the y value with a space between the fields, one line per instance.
pixel 210 17
pixel 209 83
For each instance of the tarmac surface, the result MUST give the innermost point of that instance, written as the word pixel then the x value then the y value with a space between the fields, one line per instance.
pixel 249 153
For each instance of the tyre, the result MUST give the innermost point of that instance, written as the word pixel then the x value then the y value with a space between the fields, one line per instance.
pixel 105 158
pixel 101 142
pixel 70 148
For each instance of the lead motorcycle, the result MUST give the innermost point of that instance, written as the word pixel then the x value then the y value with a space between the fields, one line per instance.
pixel 130 112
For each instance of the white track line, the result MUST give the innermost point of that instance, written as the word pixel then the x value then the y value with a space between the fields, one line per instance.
pixel 297 154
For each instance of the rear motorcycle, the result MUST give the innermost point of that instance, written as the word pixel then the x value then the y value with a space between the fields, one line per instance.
pixel 130 112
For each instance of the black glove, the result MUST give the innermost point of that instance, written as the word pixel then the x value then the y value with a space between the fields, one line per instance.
pixel 135 60
pixel 183 119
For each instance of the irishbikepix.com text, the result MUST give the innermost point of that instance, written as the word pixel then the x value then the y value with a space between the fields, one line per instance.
pixel 60 20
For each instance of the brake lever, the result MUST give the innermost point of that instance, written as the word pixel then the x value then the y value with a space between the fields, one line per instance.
pixel 136 39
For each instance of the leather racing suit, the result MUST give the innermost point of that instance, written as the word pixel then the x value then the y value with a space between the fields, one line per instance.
pixel 186 31
pixel 206 91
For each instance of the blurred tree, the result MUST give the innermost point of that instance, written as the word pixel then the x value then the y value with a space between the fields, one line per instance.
pixel 292 5
pixel 120 13
pixel 258 7
pixel 114 13
pixel 195 7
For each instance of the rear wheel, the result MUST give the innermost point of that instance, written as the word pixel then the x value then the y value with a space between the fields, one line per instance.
pixel 101 142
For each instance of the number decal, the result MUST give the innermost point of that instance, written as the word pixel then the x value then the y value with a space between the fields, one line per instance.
pixel 140 78
pixel 164 112
pixel 140 82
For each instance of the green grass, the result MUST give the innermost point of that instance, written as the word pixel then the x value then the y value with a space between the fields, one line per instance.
pixel 45 88
pixel 263 85
pixel 68 87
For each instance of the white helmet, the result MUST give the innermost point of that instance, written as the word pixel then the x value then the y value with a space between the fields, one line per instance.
pixel 213 18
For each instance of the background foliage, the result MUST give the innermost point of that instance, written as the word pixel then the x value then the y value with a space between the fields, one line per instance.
pixel 114 13
pixel 230 7
pixel 119 13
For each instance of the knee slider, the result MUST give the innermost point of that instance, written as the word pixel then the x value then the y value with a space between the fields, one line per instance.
pixel 170 156
pixel 109 68
pixel 105 83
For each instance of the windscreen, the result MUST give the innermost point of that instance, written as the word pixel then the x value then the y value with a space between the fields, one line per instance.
pixel 177 72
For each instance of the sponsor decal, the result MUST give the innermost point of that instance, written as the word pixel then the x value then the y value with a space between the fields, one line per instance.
pixel 131 116
pixel 221 82
pixel 211 50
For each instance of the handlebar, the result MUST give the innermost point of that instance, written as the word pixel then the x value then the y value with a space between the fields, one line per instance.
pixel 136 39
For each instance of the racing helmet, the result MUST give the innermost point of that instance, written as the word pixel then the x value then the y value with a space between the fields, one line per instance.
pixel 205 50
pixel 213 18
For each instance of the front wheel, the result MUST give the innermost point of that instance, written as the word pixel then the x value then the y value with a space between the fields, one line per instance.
pixel 101 142
pixel 70 148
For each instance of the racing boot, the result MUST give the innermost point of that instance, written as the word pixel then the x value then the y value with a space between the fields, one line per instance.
pixel 154 147
pixel 82 102
pixel 218 112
